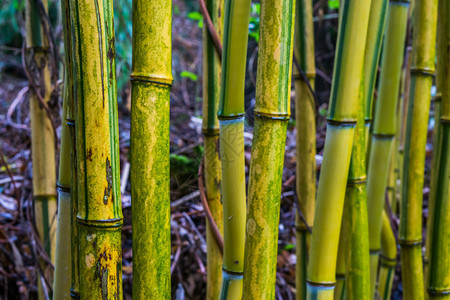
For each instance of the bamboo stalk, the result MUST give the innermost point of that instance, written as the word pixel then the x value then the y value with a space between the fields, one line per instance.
pixel 438 281
pixel 63 264
pixel 375 32
pixel 211 95
pixel 99 215
pixel 436 165
pixel 231 120
pixel 305 111
pixel 272 111
pixel 342 118
pixel 388 259
pixel 422 70
pixel 356 227
pixel 150 178
pixel 341 267
pixel 384 125
pixel 71 39
pixel 42 134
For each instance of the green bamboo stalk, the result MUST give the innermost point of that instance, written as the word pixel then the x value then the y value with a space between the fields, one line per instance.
pixel 388 259
pixel 342 116
pixel 210 128
pixel 384 125
pixel 272 111
pixel 341 267
pixel 422 71
pixel 99 215
pixel 438 280
pixel 231 120
pixel 306 136
pixel 150 178
pixel 71 39
pixel 377 20
pixel 63 262
pixel 42 135
pixel 436 165
pixel 355 224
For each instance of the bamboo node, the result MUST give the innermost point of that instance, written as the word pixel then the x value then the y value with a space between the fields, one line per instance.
pixel 321 284
pixel 272 116
pixel 63 188
pixel 410 243
pixel 150 78
pixel 424 71
pixel 111 223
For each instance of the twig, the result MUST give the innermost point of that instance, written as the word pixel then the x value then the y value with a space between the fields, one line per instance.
pixel 190 197
pixel 212 223
pixel 300 213
pixel 211 30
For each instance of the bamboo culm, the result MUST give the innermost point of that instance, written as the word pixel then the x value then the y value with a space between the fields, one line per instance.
pixel 306 136
pixel 210 128
pixel 272 112
pixel 422 71
pixel 99 212
pixel 438 280
pixel 231 121
pixel 384 127
pixel 342 117
pixel 151 80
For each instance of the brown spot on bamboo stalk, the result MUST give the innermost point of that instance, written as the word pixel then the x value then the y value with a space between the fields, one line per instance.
pixel 109 177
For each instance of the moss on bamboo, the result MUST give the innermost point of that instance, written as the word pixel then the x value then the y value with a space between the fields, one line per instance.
pixel 99 214
pixel 342 118
pixel 150 179
pixel 306 136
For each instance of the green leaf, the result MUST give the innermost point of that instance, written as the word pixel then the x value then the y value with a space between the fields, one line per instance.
pixel 195 15
pixel 190 75
pixel 289 247
pixel 333 4
pixel 200 24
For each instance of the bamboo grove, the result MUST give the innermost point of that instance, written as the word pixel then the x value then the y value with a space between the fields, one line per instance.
pixel 347 242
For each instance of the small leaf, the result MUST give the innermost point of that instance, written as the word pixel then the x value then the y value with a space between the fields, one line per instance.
pixel 289 247
pixel 195 15
pixel 190 75
pixel 333 4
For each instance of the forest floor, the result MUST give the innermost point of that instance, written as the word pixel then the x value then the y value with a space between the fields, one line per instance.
pixel 19 244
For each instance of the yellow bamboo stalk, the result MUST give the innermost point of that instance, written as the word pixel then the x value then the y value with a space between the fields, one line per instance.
pixel 42 135
pixel 272 111
pixel 231 121
pixel 99 215
pixel 150 140
pixel 342 118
